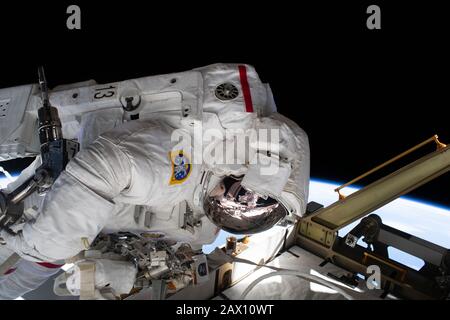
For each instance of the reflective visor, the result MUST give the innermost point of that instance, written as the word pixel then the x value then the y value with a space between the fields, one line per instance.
pixel 238 210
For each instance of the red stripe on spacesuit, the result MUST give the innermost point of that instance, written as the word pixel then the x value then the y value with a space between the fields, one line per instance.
pixel 9 271
pixel 49 265
pixel 245 89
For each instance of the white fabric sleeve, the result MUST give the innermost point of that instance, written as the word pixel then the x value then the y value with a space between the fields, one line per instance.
pixel 298 154
pixel 27 277
pixel 294 150
pixel 77 206
pixel 118 275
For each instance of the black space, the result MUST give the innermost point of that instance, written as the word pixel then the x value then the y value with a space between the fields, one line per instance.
pixel 363 96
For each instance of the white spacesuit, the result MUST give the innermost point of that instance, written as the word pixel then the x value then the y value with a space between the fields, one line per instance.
pixel 22 276
pixel 162 176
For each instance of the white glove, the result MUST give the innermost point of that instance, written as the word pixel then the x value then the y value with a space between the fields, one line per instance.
pixel 118 275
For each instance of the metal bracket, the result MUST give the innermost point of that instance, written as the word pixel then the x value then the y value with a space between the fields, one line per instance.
pixel 189 221
pixel 158 289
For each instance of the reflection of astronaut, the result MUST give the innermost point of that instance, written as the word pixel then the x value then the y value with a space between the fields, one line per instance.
pixel 133 178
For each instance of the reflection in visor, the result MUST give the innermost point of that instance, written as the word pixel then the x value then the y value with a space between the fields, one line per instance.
pixel 239 210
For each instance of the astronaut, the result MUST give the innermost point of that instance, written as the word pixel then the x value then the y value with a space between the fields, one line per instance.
pixel 240 166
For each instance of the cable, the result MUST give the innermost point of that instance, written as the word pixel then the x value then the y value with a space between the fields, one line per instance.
pixel 259 265
pixel 282 271
pixel 304 276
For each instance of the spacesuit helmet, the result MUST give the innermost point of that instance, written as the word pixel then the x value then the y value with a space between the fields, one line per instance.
pixel 238 210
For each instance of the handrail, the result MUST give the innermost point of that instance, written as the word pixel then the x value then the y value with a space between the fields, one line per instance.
pixel 434 138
